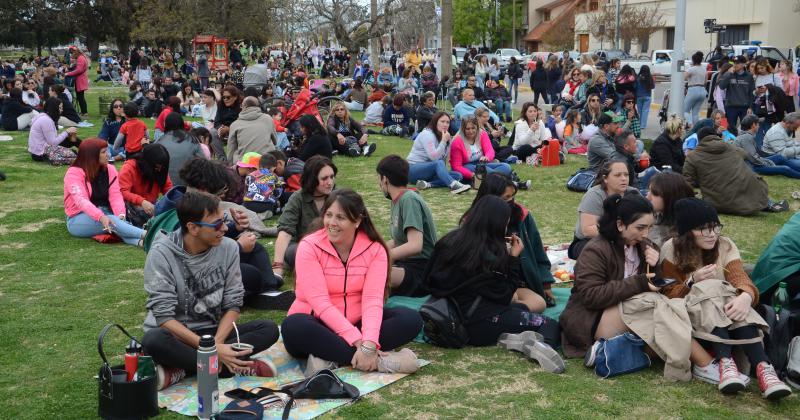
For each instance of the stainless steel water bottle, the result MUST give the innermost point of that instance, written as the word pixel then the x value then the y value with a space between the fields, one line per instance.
pixel 207 386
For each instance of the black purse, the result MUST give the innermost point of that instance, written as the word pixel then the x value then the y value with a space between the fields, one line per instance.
pixel 119 399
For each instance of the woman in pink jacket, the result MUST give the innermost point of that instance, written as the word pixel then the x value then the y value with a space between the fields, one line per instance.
pixel 81 78
pixel 472 146
pixel 338 316
pixel 92 198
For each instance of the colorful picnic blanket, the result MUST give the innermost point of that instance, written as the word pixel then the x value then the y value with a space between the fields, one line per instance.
pixel 182 397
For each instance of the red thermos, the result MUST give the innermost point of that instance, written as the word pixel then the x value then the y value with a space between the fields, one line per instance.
pixel 132 358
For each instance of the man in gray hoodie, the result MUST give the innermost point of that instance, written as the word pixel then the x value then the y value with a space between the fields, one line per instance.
pixel 253 131
pixel 194 286
pixel 738 85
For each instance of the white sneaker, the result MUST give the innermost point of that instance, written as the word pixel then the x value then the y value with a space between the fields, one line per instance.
pixel 710 374
pixel 591 354
pixel 315 364
pixel 403 361
pixel 423 185
pixel 458 188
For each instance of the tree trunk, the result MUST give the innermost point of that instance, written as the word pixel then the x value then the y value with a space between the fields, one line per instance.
pixel 373 42
pixel 447 37
pixel 93 45
pixel 39 42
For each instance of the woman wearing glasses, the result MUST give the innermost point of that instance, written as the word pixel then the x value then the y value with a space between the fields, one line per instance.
pixel 112 124
pixel 720 298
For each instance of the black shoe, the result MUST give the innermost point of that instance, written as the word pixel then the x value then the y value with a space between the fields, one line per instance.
pixel 370 149
pixel 777 207
pixel 274 300
pixel 550 301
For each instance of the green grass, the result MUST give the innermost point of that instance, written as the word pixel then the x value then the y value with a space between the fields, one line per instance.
pixel 56 293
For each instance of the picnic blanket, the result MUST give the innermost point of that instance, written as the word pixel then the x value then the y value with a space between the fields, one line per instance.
pixel 182 397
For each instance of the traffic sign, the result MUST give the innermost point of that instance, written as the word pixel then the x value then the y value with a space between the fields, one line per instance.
pixel 709 22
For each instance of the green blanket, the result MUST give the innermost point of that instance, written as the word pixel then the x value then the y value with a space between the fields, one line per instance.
pixel 781 258
pixel 561 294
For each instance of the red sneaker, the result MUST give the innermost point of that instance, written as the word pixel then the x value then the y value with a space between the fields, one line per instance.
pixel 167 376
pixel 771 386
pixel 729 380
pixel 263 369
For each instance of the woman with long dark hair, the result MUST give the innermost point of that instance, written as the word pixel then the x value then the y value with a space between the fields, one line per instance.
pixel 338 316
pixel 477 265
pixel 142 179
pixel 534 261
pixel 426 160
pixel 624 83
pixel 228 109
pixel 615 265
pixel 44 142
pixel 664 190
pixel 180 145
pixel 92 198
pixel 315 138
pixel 708 268
pixel 112 124
pixel 645 83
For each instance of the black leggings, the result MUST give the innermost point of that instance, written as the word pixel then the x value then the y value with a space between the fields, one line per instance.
pixel 304 334
pixel 754 351
pixel 526 150
pixel 82 102
pixel 515 319
pixel 257 274
pixel 540 92
pixel 168 351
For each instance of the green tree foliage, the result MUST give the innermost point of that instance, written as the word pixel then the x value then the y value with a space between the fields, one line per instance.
pixel 501 33
pixel 471 19
pixel 33 23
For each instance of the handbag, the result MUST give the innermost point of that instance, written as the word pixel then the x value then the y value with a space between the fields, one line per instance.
pixel 119 399
pixel 480 173
pixel 444 324
pixel 620 355
pixel 581 180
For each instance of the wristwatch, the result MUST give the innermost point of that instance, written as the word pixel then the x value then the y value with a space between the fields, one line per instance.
pixel 690 282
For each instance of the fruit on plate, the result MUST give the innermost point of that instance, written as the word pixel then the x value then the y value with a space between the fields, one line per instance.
pixel 565 277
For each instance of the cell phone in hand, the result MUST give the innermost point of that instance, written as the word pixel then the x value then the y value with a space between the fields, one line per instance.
pixel 663 282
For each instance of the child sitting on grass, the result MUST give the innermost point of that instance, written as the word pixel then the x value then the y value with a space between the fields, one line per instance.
pixel 374 113
pixel 133 132
pixel 263 188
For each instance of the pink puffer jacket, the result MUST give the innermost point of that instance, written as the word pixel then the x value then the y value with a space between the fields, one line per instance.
pixel 78 194
pixel 341 295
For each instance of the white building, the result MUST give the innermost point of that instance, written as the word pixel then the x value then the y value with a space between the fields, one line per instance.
pixel 774 22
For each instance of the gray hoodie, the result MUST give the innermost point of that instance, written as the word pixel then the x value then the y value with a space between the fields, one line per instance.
pixel 195 290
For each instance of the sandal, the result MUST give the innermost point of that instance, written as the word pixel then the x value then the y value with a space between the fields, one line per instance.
pixel 518 342
pixel 778 207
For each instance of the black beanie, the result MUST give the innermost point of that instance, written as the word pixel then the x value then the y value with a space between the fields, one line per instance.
pixel 692 213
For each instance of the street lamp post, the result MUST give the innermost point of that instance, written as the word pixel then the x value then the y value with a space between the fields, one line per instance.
pixel 676 73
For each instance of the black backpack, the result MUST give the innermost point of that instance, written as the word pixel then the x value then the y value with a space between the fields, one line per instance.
pixel 783 326
pixel 443 323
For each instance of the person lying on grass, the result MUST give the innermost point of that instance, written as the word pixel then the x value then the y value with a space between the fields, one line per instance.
pixel 201 261
pixel 412 229
pixel 708 269
pixel 338 317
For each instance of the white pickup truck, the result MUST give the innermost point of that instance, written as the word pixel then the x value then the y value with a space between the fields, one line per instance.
pixel 660 63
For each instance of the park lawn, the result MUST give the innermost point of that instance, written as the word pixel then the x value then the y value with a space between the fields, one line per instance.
pixel 57 292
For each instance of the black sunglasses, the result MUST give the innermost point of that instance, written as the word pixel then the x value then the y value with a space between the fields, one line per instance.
pixel 217 225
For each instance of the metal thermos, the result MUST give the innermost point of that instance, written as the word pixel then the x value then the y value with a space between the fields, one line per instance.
pixel 207 386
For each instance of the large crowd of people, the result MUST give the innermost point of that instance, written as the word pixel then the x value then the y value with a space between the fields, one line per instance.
pixel 225 161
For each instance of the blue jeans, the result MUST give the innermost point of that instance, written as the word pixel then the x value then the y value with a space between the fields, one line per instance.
pixel 83 226
pixel 643 105
pixel 435 173
pixel 513 87
pixel 775 170
pixel 283 141
pixel 692 103
pixel 644 179
pixel 620 97
pixel 762 131
pixel 734 115
pixel 503 108
pixel 491 167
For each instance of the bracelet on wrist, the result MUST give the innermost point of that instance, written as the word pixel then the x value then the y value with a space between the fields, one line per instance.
pixel 368 350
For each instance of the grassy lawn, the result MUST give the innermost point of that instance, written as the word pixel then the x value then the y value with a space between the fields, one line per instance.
pixel 56 293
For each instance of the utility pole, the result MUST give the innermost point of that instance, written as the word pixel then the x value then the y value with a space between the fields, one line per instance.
pixel 676 73
pixel 616 32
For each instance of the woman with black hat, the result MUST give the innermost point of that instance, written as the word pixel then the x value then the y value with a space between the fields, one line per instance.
pixel 720 298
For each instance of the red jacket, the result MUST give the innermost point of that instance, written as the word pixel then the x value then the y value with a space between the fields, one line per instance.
pixel 302 105
pixel 342 295
pixel 134 187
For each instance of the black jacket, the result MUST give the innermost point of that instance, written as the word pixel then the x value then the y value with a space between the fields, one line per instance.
pixel 666 151
pixel 12 109
pixel 539 79
pixel 318 144
pixel 69 110
pixel 226 115
pixel 496 289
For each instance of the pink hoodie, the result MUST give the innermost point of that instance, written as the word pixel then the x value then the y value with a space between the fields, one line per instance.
pixel 78 192
pixel 459 155
pixel 341 295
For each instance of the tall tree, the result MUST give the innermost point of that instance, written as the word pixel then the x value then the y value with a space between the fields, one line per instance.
pixel 33 23
pixel 470 19
pixel 447 37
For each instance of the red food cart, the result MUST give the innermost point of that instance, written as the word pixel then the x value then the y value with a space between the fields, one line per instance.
pixel 215 49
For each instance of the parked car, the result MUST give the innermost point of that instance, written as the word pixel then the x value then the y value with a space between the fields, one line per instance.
pixel 660 63
pixel 460 53
pixel 504 55
pixel 606 55
pixel 772 54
